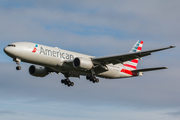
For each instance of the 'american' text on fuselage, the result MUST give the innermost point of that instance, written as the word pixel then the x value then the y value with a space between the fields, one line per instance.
pixel 56 54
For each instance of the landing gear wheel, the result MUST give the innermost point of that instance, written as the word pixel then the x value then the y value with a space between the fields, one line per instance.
pixel 18 68
pixel 97 80
pixel 67 81
pixel 87 77
pixel 92 78
pixel 62 81
pixel 72 84
pixel 69 84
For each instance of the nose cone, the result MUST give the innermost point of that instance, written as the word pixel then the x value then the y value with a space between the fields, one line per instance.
pixel 5 50
pixel 8 51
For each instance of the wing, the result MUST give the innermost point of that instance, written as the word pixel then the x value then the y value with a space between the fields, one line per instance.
pixel 125 57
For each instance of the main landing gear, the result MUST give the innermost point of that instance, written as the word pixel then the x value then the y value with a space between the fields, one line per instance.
pixel 92 78
pixel 17 62
pixel 67 82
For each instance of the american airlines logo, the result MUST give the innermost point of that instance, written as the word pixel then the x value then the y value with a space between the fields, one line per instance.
pixel 35 48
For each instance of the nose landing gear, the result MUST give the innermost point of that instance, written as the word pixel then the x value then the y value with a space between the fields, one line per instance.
pixel 18 68
pixel 17 62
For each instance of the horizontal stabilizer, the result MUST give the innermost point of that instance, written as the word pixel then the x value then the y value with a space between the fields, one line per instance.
pixel 149 69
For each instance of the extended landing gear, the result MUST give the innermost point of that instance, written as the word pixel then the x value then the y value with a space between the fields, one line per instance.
pixel 67 82
pixel 18 68
pixel 92 78
pixel 17 62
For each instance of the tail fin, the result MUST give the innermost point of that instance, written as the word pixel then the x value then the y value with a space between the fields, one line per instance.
pixel 132 64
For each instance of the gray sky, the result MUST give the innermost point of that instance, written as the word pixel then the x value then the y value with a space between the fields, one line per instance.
pixel 98 28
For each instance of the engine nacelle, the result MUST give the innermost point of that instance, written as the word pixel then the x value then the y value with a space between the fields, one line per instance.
pixel 83 63
pixel 38 71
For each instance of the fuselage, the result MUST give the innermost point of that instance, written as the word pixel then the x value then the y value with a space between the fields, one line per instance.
pixel 55 58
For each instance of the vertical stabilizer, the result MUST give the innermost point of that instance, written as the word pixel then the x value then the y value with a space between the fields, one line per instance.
pixel 132 64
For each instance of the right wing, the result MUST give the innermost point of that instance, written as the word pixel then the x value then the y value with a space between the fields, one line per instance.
pixel 125 57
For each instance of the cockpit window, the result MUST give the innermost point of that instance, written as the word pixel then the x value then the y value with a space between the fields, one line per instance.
pixel 12 45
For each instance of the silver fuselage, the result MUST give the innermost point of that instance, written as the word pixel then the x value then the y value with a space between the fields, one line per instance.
pixel 55 58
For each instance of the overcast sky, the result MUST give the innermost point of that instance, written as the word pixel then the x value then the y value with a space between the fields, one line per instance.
pixel 98 28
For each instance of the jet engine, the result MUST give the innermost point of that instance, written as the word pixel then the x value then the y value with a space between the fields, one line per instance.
pixel 38 71
pixel 82 63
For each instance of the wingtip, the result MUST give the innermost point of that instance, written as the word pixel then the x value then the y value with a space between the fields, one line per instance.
pixel 172 46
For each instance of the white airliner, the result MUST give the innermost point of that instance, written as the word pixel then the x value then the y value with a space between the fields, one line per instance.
pixel 72 64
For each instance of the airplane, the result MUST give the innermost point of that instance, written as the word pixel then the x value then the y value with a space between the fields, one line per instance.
pixel 71 64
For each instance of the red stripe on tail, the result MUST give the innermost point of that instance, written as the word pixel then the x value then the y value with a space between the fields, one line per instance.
pixel 134 61
pixel 139 48
pixel 127 71
pixel 131 66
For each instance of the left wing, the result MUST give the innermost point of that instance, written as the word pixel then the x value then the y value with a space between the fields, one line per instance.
pixel 125 57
